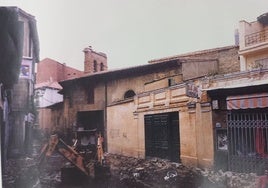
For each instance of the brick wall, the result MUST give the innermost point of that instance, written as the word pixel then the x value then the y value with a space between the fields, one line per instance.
pixel 48 68
pixel 94 61
pixel 228 58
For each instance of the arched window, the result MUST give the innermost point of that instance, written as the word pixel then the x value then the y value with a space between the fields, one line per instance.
pixel 129 94
pixel 95 66
pixel 101 67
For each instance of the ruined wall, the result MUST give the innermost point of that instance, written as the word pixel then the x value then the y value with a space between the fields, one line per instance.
pixel 76 99
pixel 45 119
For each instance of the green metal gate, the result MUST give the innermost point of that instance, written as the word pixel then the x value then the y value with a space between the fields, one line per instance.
pixel 162 136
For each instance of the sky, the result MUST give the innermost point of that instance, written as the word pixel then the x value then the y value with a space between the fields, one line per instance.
pixel 132 32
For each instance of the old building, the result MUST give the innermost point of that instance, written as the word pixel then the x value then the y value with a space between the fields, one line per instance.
pixel 10 62
pixel 51 70
pixel 49 100
pixel 240 101
pixel 153 110
pixel 253 43
pixel 22 109
pixel 18 53
pixel 94 61
pixel 49 73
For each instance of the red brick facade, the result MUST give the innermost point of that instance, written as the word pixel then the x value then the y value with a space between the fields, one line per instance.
pixel 48 69
pixel 94 61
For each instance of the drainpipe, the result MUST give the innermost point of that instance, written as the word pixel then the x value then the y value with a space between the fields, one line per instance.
pixel 105 118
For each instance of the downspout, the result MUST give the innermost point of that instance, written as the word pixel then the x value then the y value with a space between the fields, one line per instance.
pixel 105 117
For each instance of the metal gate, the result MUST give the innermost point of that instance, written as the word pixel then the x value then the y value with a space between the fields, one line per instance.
pixel 248 136
pixel 162 136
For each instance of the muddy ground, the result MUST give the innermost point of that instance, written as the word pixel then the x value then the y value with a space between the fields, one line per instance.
pixel 125 172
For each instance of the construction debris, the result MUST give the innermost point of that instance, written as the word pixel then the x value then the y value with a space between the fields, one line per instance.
pixel 126 172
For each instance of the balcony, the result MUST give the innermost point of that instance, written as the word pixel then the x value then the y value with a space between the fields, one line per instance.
pixel 256 38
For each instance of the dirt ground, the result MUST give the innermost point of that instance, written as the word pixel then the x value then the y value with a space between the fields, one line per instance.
pixel 125 172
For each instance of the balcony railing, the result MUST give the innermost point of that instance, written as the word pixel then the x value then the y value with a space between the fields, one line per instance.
pixel 256 38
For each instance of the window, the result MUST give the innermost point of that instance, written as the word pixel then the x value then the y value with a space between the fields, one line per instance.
pixel 261 63
pixel 129 94
pixel 95 66
pixel 101 67
pixel 90 95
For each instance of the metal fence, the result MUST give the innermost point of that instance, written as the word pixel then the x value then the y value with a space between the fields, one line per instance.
pixel 248 136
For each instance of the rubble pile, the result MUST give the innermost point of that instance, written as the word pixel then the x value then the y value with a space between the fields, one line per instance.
pixel 228 179
pixel 19 171
pixel 154 172
pixel 126 172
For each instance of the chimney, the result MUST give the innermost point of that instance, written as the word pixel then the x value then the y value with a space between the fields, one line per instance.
pixel 94 61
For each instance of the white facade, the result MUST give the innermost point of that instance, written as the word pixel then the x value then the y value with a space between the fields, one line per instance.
pixel 47 96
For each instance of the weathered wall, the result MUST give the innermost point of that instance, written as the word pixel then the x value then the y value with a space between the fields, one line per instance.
pixel 76 99
pixel 254 60
pixel 125 123
pixel 17 135
pixel 123 130
pixel 227 57
pixel 247 28
pixel 27 51
pixel 21 95
pixel 48 69
pixel 147 82
pixel 45 120
pixel 188 139
pixel 196 69
pixel 253 45
pixel 97 58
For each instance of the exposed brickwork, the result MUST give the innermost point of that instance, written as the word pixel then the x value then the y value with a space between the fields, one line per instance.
pixel 94 61
pixel 227 57
pixel 50 69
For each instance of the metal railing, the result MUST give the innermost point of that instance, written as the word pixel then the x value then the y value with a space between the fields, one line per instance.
pixel 256 38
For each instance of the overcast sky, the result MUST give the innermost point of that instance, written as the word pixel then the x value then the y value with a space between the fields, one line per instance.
pixel 132 32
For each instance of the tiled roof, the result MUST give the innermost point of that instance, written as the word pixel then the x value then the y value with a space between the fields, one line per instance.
pixel 54 85
pixel 190 54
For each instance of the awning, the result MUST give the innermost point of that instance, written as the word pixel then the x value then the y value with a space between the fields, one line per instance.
pixel 259 100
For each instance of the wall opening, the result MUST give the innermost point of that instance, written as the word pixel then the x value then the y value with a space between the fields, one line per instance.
pixel 91 120
pixel 95 66
pixel 129 94
pixel 162 136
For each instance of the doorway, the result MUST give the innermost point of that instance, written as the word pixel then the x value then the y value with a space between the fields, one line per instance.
pixel 162 136
pixel 91 120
